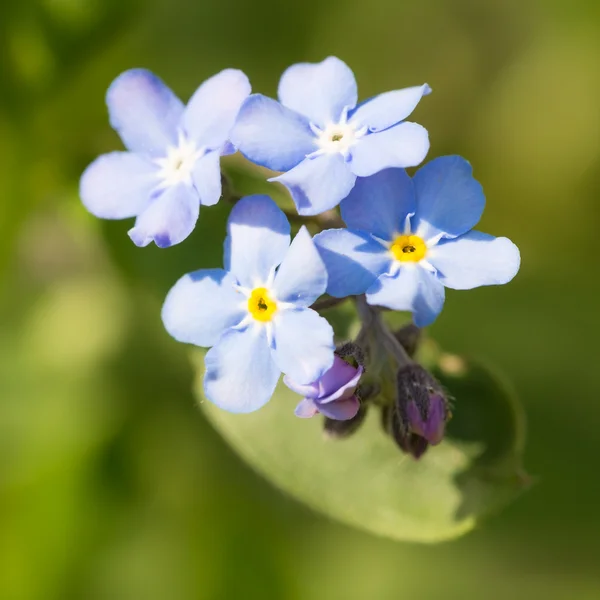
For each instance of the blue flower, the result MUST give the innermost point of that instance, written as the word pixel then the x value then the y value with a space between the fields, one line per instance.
pixel 333 394
pixel 320 137
pixel 254 313
pixel 173 161
pixel 407 239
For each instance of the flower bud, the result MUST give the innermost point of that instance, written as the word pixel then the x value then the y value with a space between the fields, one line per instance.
pixel 409 337
pixel 411 443
pixel 333 394
pixel 352 351
pixel 336 429
pixel 421 411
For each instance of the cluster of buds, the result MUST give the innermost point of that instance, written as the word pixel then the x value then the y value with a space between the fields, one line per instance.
pixel 378 372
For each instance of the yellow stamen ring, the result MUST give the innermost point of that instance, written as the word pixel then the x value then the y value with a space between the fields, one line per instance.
pixel 409 248
pixel 260 305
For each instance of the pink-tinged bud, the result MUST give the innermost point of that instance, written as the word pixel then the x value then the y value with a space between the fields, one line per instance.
pixel 333 394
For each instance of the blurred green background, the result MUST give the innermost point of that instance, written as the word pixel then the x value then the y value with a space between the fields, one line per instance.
pixel 112 484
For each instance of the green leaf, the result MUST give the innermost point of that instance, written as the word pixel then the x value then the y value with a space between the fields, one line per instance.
pixel 366 482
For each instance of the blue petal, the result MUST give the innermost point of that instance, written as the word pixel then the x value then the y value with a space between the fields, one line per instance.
pixel 272 135
pixel 118 185
pixel 302 276
pixel 318 184
pixel 475 259
pixel 169 219
pixel 258 237
pixel 144 112
pixel 449 200
pixel 404 145
pixel 201 306
pixel 240 373
pixel 207 178
pixel 302 344
pixel 319 91
pixel 412 288
pixel 389 108
pixel 211 111
pixel 353 259
pixel 310 390
pixel 380 204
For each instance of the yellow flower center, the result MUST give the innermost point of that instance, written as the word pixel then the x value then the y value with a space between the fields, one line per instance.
pixel 408 248
pixel 260 305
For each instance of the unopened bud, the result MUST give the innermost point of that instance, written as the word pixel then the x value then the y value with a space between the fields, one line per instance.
pixel 409 337
pixel 342 429
pixel 352 351
pixel 421 411
pixel 411 443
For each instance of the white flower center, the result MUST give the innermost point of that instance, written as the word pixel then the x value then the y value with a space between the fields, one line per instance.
pixel 337 137
pixel 177 166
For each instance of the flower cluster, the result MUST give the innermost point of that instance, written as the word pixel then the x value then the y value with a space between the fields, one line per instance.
pixel 400 241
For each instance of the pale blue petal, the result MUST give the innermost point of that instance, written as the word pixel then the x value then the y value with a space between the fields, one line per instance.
pixel 207 178
pixel 475 259
pixel 353 259
pixel 414 289
pixel 169 219
pixel 388 109
pixel 302 276
pixel 201 306
pixel 302 344
pixel 340 410
pixel 240 373
pixel 318 184
pixel 144 112
pixel 311 390
pixel 211 111
pixel 380 204
pixel 449 200
pixel 272 135
pixel 118 185
pixel 306 409
pixel 319 91
pixel 404 145
pixel 258 237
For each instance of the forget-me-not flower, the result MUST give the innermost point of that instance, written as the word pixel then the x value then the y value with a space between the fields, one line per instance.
pixel 408 238
pixel 172 164
pixel 333 394
pixel 255 313
pixel 318 135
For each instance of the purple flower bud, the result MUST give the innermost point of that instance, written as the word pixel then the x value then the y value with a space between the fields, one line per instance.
pixel 333 394
pixel 421 411
pixel 338 430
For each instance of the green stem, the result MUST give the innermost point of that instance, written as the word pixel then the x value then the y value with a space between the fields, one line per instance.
pixel 374 327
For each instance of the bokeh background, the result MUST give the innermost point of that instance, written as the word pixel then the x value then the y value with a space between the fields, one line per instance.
pixel 112 484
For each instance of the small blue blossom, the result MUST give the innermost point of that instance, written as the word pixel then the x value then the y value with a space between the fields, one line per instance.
pixel 254 313
pixel 321 139
pixel 173 161
pixel 407 239
pixel 333 394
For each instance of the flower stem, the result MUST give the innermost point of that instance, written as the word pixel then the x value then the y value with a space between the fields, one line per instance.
pixel 374 326
pixel 327 303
